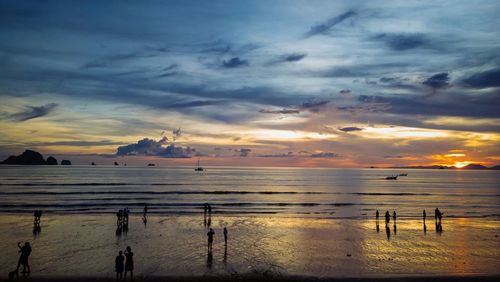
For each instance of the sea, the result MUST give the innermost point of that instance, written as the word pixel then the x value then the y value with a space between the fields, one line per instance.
pixel 287 192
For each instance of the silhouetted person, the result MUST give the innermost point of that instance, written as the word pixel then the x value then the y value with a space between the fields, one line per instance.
pixel 23 258
pixel 119 217
pixel 129 263
pixel 424 215
pixel 388 232
pixel 145 210
pixel 205 207
pixel 225 235
pixel 436 211
pixel 387 217
pixel 376 215
pixel 394 216
pixel 119 265
pixel 209 209
pixel 440 216
pixel 210 235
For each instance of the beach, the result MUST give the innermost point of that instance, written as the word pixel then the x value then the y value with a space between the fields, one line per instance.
pixel 77 246
pixel 302 224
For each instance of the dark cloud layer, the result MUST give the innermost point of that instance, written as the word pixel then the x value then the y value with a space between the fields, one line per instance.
pixel 350 129
pixel 325 27
pixel 437 81
pixel 403 41
pixel 234 62
pixel 490 78
pixel 34 112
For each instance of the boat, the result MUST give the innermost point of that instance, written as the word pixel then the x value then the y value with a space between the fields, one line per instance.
pixel 392 177
pixel 199 168
pixel 403 174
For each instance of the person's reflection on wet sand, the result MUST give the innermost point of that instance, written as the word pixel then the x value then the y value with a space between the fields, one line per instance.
pixel 378 228
pixel 439 227
pixel 395 228
pixel 388 232
pixel 425 228
pixel 210 258
pixel 224 260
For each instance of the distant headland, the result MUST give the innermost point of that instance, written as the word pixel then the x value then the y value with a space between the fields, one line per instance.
pixel 30 157
pixel 467 167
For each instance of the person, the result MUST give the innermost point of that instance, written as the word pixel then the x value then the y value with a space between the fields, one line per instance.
pixel 387 217
pixel 225 235
pixel 440 216
pixel 129 262
pixel 119 265
pixel 424 214
pixel 394 216
pixel 210 235
pixel 376 215
pixel 209 209
pixel 145 210
pixel 436 211
pixel 23 259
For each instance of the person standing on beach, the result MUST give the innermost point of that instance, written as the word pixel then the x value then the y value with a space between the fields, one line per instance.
pixel 129 263
pixel 436 211
pixel 225 235
pixel 23 259
pixel 424 215
pixel 376 215
pixel 394 216
pixel 387 217
pixel 210 235
pixel 119 265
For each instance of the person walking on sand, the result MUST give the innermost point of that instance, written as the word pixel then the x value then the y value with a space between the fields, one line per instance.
pixel 210 235
pixel 436 211
pixel 23 259
pixel 387 217
pixel 394 216
pixel 119 265
pixel 225 235
pixel 129 263
pixel 424 215
pixel 376 215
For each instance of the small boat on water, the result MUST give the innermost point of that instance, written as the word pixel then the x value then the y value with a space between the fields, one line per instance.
pixel 403 174
pixel 392 177
pixel 199 168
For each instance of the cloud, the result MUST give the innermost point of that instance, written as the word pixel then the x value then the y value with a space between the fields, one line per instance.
pixel 403 41
pixel 34 112
pixel 325 155
pixel 313 107
pixel 437 81
pixel 287 155
pixel 244 152
pixel 151 147
pixel 289 58
pixel 177 132
pixel 282 111
pixel 350 129
pixel 323 28
pixel 345 92
pixel 489 78
pixel 234 62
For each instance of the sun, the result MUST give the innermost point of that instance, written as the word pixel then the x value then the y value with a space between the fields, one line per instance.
pixel 461 164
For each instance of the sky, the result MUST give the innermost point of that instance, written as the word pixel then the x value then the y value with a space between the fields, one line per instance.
pixel 252 83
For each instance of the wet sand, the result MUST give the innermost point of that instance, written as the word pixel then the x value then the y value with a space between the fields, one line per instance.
pixel 175 247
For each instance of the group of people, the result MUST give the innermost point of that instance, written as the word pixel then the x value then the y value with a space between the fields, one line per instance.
pixel 387 217
pixel 438 215
pixel 207 211
pixel 124 262
pixel 210 235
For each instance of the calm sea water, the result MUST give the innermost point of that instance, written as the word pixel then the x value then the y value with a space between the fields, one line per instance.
pixel 320 193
